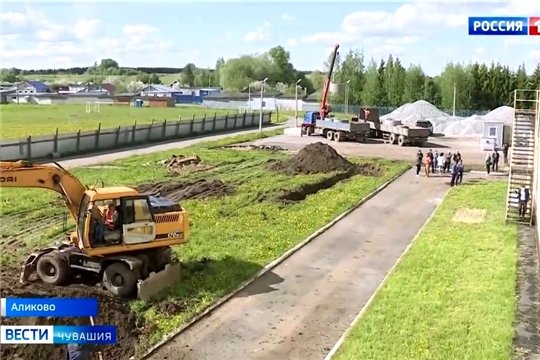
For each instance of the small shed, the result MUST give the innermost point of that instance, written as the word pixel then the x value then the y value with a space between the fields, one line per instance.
pixel 495 134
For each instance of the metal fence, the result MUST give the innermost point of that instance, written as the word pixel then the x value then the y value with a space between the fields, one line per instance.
pixel 384 110
pixel 87 142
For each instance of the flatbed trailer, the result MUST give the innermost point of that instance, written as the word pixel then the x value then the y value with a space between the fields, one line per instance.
pixel 393 131
pixel 335 129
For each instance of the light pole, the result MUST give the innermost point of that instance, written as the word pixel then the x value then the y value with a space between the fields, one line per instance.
pixel 347 96
pixel 454 102
pixel 262 103
pixel 296 102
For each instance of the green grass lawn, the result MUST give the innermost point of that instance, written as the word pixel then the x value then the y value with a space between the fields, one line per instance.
pixel 20 121
pixel 453 295
pixel 239 234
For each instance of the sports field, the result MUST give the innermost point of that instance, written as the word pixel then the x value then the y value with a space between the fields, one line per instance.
pixel 21 121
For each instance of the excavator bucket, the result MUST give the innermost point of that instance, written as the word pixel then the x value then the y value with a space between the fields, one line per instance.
pixel 158 282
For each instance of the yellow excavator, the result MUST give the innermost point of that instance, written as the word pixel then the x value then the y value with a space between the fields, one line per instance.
pixel 132 253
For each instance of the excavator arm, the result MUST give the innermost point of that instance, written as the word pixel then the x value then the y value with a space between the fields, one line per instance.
pixel 23 174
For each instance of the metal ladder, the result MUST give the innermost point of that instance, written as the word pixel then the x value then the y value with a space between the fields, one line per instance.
pixel 523 153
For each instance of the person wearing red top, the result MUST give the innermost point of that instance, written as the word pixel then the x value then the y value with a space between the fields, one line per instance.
pixel 111 215
pixel 427 164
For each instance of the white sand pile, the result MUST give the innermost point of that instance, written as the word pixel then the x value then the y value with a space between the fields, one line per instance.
pixel 419 110
pixel 448 125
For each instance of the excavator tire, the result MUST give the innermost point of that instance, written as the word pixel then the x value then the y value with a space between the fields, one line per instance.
pixel 120 280
pixel 52 268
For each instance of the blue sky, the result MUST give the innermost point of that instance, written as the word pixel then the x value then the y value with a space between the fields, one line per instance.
pixel 55 35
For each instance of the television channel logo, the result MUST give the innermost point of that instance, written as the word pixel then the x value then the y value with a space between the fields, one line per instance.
pixel 506 26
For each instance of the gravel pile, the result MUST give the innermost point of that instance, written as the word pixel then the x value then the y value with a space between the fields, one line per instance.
pixel 412 112
pixel 448 125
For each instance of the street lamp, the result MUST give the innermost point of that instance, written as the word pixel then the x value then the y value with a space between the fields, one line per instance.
pixel 347 96
pixel 296 102
pixel 262 102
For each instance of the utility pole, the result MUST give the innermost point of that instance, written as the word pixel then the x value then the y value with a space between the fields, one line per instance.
pixel 454 102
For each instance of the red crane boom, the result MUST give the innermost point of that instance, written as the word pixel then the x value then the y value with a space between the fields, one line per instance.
pixel 325 107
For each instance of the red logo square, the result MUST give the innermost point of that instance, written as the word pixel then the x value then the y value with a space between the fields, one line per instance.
pixel 534 25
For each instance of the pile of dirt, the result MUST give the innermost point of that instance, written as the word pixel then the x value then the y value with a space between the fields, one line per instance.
pixel 180 164
pixel 183 190
pixel 112 311
pixel 319 158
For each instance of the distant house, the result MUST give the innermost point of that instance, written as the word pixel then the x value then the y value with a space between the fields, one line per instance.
pixel 159 91
pixel 99 88
pixel 32 87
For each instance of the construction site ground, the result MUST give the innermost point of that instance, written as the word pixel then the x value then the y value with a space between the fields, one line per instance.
pixel 246 209
pixel 468 147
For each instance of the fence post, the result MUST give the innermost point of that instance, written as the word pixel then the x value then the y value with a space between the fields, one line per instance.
pixel 244 119
pixel 150 131
pixel 29 148
pixel 164 133
pixel 178 126
pixel 117 138
pixel 227 121
pixel 134 130
pixel 191 124
pixel 235 119
pixel 203 130
pixel 214 123
pixel 78 147
pixel 55 142
pixel 98 133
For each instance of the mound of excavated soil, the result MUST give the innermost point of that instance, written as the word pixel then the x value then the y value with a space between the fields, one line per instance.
pixel 112 311
pixel 319 158
pixel 183 190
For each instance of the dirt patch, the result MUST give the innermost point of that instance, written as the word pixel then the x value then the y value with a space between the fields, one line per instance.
pixel 319 158
pixel 255 147
pixel 183 190
pixel 469 216
pixel 112 311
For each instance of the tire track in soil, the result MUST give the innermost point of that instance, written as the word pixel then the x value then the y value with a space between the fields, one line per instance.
pixel 15 232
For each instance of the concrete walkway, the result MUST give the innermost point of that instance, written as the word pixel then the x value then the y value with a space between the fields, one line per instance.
pixel 116 155
pixel 300 309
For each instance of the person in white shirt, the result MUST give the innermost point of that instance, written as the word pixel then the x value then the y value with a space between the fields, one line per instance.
pixel 441 163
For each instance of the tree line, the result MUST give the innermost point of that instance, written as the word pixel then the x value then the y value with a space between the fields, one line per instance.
pixel 369 82
pixel 389 83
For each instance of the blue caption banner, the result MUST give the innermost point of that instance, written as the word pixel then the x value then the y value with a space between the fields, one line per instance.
pixel 51 307
pixel 20 334
pixel 99 334
pixel 501 26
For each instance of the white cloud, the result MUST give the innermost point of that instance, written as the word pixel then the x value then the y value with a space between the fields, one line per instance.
pixel 13 18
pixel 85 28
pixel 260 34
pixel 415 19
pixel 287 17
pixel 291 42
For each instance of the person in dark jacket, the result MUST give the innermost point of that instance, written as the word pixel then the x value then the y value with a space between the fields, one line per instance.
pixel 419 160
pixel 79 352
pixel 435 161
pixel 505 154
pixel 523 198
pixel 495 159
pixel 454 172
pixel 488 163
pixel 430 156
pixel 448 162
pixel 460 170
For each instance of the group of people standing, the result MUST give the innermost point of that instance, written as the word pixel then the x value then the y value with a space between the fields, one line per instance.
pixel 492 160
pixel 442 163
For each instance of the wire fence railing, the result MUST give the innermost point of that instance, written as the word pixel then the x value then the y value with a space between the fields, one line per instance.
pixel 384 110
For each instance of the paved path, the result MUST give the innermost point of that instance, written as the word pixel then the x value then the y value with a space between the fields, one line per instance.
pixel 112 156
pixel 300 309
